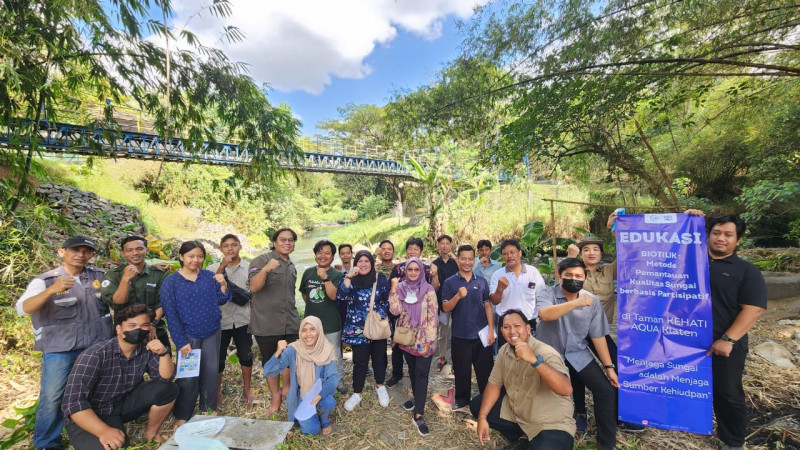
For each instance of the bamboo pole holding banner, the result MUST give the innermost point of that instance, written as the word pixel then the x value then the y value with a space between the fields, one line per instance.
pixel 553 233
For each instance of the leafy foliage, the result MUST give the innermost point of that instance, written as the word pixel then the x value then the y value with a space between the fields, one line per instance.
pixel 372 207
pixel 52 50
pixel 771 206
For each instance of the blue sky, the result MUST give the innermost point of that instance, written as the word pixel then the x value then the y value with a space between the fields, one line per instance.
pixel 407 62
pixel 318 55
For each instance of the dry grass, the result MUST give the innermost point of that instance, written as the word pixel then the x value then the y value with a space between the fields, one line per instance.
pixel 773 397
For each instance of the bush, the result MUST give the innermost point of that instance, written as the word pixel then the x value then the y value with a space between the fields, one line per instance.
pixel 372 206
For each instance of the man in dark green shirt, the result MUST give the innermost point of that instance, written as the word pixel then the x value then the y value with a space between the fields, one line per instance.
pixel 318 287
pixel 136 282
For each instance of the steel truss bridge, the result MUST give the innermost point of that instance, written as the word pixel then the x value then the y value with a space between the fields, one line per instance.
pixel 328 155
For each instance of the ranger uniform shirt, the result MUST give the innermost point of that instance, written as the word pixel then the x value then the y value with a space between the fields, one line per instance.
pixel 144 287
pixel 272 310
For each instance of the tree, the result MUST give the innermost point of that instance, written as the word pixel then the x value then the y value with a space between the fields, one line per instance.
pixel 54 49
pixel 578 72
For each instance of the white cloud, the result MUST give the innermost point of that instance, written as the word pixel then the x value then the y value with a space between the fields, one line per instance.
pixel 301 44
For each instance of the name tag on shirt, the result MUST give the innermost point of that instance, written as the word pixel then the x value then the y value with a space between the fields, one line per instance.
pixel 151 284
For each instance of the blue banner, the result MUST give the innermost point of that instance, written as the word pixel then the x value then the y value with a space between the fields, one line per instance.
pixel 664 327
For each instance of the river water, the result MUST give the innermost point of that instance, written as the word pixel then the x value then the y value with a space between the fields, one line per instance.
pixel 303 257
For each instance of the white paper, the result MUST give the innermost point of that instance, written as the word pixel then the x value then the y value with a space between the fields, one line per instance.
pixel 306 410
pixel 484 335
pixel 198 435
pixel 204 428
pixel 189 366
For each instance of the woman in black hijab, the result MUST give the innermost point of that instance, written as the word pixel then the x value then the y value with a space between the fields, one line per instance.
pixel 355 290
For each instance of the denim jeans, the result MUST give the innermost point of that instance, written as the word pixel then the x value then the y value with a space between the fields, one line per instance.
pixel 49 419
pixel 313 424
pixel 336 340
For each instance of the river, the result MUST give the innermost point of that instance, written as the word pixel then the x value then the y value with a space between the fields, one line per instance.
pixel 303 257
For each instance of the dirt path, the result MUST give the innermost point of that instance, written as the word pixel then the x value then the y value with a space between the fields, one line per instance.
pixel 772 397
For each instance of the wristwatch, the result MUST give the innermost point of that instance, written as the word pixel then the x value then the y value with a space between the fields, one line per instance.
pixel 166 352
pixel 609 366
pixel 727 338
pixel 539 361
pixel 325 280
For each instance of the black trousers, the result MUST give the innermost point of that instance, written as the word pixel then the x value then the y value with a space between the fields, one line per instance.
pixel 578 388
pixel 419 367
pixel 361 356
pixel 244 346
pixel 468 354
pixel 729 400
pixel 545 440
pixel 605 401
pixel 397 355
pixel 130 407
pixel 499 327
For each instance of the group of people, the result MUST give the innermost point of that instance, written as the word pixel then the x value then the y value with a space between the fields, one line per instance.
pixel 532 347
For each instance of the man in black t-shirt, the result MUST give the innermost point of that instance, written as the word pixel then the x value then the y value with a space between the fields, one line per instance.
pixel 738 298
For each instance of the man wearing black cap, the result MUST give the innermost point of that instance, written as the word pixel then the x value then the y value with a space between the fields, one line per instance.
pixel 68 315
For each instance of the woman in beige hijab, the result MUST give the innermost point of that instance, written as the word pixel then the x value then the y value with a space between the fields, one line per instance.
pixel 309 359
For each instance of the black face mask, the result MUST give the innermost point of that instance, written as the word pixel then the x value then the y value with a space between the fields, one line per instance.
pixel 136 336
pixel 572 286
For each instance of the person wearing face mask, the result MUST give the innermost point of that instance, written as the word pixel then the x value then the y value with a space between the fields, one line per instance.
pixel 68 315
pixel 356 289
pixel 310 359
pixel 599 281
pixel 568 314
pixel 136 282
pixel 106 388
pixel 414 303
pixel 191 298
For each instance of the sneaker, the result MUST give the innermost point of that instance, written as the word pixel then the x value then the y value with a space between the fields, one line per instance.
pixel 383 396
pixel 631 427
pixel 408 405
pixel 341 388
pixel 728 447
pixel 391 382
pixel 352 402
pixel 581 424
pixel 422 427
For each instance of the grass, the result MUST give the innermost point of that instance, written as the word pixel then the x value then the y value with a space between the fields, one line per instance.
pixel 114 180
pixel 371 232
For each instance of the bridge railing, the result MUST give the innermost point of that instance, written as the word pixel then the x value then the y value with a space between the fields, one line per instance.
pixel 69 138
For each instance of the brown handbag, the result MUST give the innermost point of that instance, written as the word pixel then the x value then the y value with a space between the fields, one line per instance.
pixel 405 335
pixel 376 327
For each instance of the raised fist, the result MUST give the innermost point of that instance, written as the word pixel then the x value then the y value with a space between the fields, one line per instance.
pixel 64 283
pixel 272 265
pixel 502 283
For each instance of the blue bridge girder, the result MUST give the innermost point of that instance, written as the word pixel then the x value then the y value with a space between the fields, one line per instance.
pixel 76 139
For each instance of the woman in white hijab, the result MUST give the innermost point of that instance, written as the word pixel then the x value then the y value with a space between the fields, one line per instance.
pixel 309 359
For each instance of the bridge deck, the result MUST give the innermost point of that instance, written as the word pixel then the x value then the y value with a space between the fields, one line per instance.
pixel 68 138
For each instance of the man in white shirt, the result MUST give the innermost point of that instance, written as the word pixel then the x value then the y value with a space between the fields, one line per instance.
pixel 515 286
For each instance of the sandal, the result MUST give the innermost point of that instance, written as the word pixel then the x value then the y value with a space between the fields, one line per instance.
pixel 439 365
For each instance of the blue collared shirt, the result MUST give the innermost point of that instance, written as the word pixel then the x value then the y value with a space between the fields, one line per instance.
pixel 469 315
pixel 486 271
pixel 567 334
